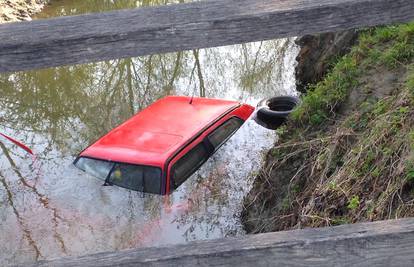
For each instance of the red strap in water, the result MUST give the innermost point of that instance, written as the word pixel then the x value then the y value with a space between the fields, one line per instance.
pixel 28 150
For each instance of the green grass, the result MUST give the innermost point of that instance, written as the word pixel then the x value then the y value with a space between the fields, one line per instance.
pixel 410 174
pixel 323 99
pixel 411 139
pixel 398 54
pixel 390 46
pixel 386 46
pixel 353 204
pixel 410 80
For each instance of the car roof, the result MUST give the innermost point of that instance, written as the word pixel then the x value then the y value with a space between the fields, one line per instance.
pixel 154 134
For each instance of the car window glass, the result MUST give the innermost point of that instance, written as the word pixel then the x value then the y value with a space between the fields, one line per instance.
pixel 222 133
pixel 97 168
pixel 152 180
pixel 128 176
pixel 134 177
pixel 188 164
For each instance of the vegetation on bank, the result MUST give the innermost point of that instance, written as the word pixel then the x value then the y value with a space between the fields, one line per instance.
pixel 347 155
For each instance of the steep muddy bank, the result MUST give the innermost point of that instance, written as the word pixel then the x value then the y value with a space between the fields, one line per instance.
pixel 19 10
pixel 347 154
pixel 318 53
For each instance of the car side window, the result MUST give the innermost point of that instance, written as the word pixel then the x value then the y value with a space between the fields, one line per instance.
pixel 188 164
pixel 223 132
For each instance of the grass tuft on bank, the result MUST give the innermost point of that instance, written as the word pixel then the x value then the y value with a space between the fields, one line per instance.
pixel 347 155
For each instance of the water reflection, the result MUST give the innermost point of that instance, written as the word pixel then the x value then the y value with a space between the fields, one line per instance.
pixel 76 7
pixel 48 208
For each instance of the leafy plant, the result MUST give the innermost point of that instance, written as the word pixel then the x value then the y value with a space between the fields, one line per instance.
pixel 353 204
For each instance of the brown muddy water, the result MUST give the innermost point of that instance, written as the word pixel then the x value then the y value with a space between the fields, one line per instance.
pixel 49 209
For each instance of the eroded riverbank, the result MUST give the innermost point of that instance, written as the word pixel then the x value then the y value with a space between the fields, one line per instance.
pixel 347 154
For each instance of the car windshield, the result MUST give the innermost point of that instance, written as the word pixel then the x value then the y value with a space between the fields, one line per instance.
pixel 135 177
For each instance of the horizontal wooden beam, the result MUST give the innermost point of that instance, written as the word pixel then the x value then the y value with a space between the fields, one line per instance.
pixel 385 243
pixel 143 31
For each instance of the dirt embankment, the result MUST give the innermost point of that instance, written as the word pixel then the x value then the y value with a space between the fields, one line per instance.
pixel 347 154
pixel 19 10
pixel 318 53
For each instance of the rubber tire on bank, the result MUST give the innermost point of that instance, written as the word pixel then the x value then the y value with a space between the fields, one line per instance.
pixel 273 112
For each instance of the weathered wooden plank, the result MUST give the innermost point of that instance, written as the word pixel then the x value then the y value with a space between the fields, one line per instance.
pixel 127 33
pixel 385 243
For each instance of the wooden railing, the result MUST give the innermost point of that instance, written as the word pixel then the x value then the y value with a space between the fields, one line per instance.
pixel 385 243
pixel 143 31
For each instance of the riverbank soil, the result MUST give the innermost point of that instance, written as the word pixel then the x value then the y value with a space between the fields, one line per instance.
pixel 18 10
pixel 347 153
pixel 318 53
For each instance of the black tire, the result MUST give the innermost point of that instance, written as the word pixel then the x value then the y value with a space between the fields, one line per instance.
pixel 273 112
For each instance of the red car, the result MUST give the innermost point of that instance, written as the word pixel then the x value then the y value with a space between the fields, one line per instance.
pixel 157 149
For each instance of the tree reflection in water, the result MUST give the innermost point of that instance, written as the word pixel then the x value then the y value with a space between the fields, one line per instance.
pixel 49 209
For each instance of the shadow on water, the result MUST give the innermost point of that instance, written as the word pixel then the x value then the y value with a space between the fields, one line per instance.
pixel 49 209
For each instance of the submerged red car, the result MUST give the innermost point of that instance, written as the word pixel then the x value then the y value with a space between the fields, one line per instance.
pixel 160 147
